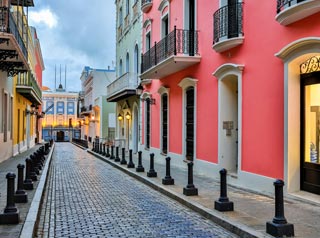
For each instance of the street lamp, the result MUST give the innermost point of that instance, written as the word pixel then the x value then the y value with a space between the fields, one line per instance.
pixel 120 117
pixel 128 116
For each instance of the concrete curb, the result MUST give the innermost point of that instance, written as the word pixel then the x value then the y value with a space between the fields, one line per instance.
pixel 31 219
pixel 217 217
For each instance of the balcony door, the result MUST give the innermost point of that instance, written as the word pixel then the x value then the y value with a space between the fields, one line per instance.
pixel 190 23
pixel 232 18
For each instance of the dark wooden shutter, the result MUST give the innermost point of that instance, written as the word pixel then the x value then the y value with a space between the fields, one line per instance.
pixel 165 123
pixel 148 123
pixel 189 123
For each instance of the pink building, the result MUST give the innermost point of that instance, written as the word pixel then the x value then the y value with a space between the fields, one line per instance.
pixel 233 84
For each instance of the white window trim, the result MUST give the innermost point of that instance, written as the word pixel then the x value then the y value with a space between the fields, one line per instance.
pixel 185 84
pixel 147 22
pixel 163 90
pixel 220 73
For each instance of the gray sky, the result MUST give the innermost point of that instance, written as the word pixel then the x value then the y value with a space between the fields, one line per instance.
pixel 75 33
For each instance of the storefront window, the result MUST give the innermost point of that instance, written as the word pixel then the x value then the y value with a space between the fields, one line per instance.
pixel 312 123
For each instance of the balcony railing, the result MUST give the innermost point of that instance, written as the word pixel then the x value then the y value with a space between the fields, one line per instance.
pixel 178 41
pixel 283 4
pixel 128 81
pixel 28 87
pixel 8 25
pixel 227 22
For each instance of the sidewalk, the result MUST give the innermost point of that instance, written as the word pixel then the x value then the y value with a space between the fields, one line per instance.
pixel 10 165
pixel 251 210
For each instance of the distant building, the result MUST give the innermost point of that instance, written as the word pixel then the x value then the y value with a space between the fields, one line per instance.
pixel 60 121
pixel 97 115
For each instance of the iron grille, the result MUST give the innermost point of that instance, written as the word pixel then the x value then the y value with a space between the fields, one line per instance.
pixel 178 41
pixel 283 4
pixel 8 25
pixel 227 22
pixel 143 2
pixel 311 65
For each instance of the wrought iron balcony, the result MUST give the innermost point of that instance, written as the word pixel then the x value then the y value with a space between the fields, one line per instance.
pixel 13 50
pixel 28 87
pixel 86 110
pixel 175 52
pixel 227 27
pixel 146 5
pixel 290 11
pixel 123 87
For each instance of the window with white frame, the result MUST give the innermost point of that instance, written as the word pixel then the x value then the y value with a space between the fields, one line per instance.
pixel 127 63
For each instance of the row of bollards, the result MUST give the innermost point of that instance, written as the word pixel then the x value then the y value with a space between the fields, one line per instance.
pixel 33 166
pixel 278 227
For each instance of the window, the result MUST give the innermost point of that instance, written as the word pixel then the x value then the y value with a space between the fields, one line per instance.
pixel 5 117
pixel 165 26
pixel 120 67
pixel 70 108
pixel 60 107
pixel 49 104
pixel 127 7
pixel 127 63
pixel 148 41
pixel 147 123
pixel 136 62
pixel 120 17
pixel 164 134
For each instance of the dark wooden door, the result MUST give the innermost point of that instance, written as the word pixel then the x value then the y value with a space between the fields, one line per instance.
pixel 190 123
pixel 165 123
pixel 60 135
pixel 147 123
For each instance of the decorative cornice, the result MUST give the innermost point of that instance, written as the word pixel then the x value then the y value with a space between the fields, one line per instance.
pixel 227 69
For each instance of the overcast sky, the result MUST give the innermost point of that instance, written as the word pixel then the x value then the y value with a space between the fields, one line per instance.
pixel 75 33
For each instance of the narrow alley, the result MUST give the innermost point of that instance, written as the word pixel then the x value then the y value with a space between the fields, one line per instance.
pixel 86 197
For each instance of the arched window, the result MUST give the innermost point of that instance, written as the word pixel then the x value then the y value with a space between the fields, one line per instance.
pixel 120 67
pixel 136 61
pixel 127 63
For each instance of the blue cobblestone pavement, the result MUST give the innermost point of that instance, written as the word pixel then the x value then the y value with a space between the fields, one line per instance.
pixel 86 197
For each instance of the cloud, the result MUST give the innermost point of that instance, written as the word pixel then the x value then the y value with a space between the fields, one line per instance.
pixel 44 16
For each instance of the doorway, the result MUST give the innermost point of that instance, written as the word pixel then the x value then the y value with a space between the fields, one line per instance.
pixel 60 136
pixel 135 129
pixel 228 123
pixel 189 115
pixel 310 132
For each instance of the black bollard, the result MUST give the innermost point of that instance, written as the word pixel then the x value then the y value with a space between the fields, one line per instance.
pixel 140 168
pixel 108 153
pixel 104 149
pixel 117 159
pixel 33 174
pixel 20 196
pixel 223 204
pixel 10 214
pixel 93 147
pixel 279 226
pixel 152 172
pixel 112 154
pixel 28 184
pixel 168 180
pixel 130 164
pixel 100 149
pixel 123 160
pixel 190 189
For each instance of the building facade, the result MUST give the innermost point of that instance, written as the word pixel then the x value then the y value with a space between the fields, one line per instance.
pixel 97 115
pixel 20 85
pixel 60 121
pixel 123 89
pixel 241 96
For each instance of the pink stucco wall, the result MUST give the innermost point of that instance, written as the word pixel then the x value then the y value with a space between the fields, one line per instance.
pixel 262 85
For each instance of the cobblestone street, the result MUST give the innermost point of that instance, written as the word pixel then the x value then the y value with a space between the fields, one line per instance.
pixel 86 197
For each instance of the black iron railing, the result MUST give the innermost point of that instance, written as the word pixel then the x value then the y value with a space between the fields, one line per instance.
pixel 178 41
pixel 227 22
pixel 8 25
pixel 283 4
